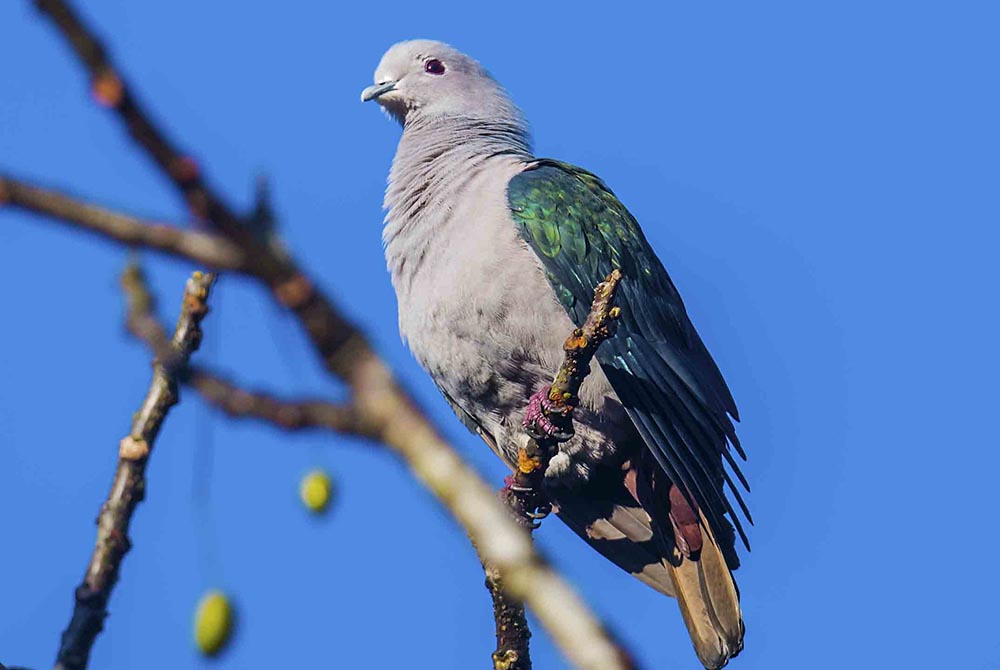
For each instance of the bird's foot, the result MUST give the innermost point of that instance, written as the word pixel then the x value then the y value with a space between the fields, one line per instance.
pixel 528 502
pixel 544 419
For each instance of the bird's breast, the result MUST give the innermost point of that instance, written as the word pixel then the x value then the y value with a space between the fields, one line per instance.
pixel 477 311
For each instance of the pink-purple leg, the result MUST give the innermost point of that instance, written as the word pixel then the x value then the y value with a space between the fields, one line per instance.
pixel 538 418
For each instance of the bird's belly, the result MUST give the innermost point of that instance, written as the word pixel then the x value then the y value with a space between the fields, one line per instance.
pixel 491 335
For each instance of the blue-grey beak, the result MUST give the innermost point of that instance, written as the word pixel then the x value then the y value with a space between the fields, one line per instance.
pixel 373 92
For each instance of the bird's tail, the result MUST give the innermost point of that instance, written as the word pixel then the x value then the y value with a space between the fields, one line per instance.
pixel 696 561
pixel 646 526
pixel 709 601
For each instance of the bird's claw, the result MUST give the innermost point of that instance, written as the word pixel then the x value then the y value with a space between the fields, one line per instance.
pixel 540 513
pixel 544 420
pixel 531 498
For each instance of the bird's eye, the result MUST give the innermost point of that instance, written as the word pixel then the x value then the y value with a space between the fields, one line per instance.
pixel 434 66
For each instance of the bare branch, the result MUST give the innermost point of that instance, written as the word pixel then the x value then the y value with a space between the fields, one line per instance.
pixel 140 310
pixel 129 484
pixel 525 494
pixel 235 401
pixel 214 251
pixel 563 395
pixel 512 631
pixel 334 337
pixel 110 90
pixel 288 414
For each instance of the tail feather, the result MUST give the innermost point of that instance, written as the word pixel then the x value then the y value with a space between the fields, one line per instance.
pixel 702 579
pixel 709 602
pixel 632 520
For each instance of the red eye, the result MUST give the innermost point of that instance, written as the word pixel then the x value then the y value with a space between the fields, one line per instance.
pixel 434 66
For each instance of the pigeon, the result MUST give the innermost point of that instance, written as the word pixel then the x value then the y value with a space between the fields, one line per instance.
pixel 494 255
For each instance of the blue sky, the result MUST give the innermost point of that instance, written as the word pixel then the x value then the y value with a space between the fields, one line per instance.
pixel 819 180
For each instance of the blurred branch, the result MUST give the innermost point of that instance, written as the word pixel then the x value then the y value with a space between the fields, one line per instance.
pixel 214 251
pixel 336 340
pixel 128 487
pixel 110 90
pixel 237 402
pixel 383 408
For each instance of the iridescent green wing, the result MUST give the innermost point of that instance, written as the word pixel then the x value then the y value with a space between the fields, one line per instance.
pixel 657 364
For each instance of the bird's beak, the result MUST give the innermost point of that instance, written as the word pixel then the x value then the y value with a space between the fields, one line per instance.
pixel 373 92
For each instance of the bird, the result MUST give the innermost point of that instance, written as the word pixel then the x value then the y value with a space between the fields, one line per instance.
pixel 494 255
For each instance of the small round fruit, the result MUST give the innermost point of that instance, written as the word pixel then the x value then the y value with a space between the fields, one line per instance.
pixel 316 490
pixel 213 623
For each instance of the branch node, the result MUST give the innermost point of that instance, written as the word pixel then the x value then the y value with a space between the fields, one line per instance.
pixel 506 660
pixel 107 89
pixel 133 449
pixel 184 169
pixel 294 292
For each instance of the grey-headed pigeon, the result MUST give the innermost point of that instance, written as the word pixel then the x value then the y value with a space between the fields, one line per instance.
pixel 494 255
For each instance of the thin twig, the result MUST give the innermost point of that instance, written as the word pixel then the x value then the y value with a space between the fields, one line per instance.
pixel 208 250
pixel 300 414
pixel 512 631
pixel 579 350
pixel 525 493
pixel 235 401
pixel 129 484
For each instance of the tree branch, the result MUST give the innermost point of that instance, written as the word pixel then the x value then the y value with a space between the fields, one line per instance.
pixel 129 485
pixel 205 249
pixel 142 321
pixel 563 395
pixel 110 90
pixel 237 402
pixel 336 340
pixel 525 494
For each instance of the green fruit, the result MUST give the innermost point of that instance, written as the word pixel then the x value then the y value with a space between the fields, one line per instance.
pixel 213 623
pixel 316 490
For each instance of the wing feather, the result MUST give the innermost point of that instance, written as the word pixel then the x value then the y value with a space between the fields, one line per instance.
pixel 657 364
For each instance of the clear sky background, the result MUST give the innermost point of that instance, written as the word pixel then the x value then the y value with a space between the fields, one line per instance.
pixel 821 182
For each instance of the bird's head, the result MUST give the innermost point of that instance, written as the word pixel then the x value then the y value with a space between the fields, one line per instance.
pixel 427 78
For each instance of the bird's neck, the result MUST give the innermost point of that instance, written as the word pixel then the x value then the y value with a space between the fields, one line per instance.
pixel 435 152
pixel 435 161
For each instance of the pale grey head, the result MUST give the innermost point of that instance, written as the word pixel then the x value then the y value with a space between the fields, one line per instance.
pixel 425 78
